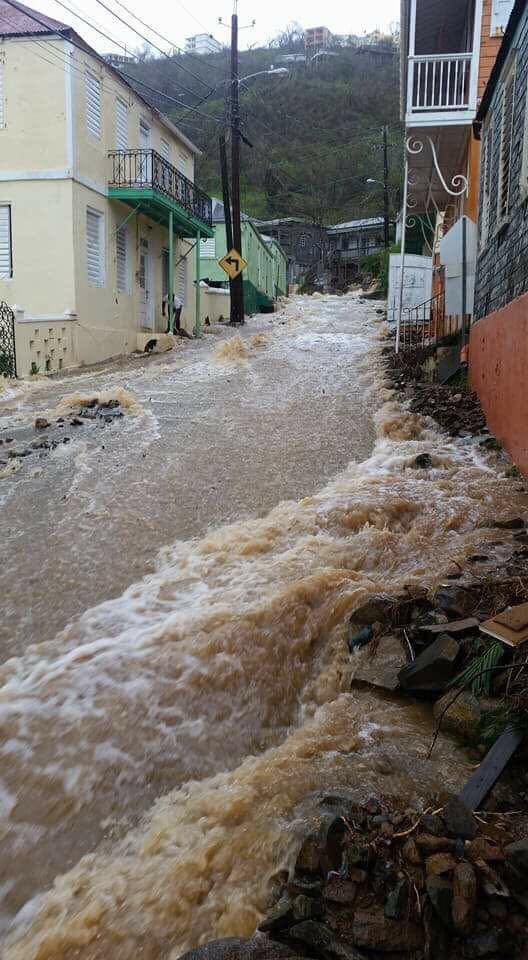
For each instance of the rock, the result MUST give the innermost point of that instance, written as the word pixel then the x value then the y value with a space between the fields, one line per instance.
pixel 439 863
pixel 488 944
pixel 423 461
pixel 358 638
pixel 279 917
pixel 381 666
pixel 375 608
pixel 40 443
pixel 429 844
pixel 76 422
pixel 517 854
pixel 515 523
pixel 433 825
pixel 411 853
pixel 41 423
pixel 259 947
pixel 373 807
pixel 482 849
pixel 306 908
pixel 440 893
pixel 18 454
pixel 432 669
pixel 462 717
pixel 357 875
pixel 309 856
pixel 372 930
pixel 320 940
pixel 304 886
pixel 340 890
pixel 93 402
pixel 459 820
pixel 387 829
pixel 464 896
pixel 397 902
pixel 455 601
pixel 105 404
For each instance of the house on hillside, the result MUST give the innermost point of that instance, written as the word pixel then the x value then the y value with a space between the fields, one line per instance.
pixel 303 243
pixel 264 278
pixel 99 211
pixel 498 350
pixel 317 37
pixel 448 50
pixel 202 44
pixel 349 243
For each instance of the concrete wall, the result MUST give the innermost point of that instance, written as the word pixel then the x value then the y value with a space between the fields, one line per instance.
pixel 498 364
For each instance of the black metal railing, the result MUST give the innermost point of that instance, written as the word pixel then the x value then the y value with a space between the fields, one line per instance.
pixel 147 169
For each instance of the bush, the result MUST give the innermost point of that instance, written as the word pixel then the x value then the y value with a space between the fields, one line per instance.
pixel 377 266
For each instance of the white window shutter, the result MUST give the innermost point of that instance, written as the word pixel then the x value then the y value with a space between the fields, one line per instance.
pixel 2 96
pixel 95 247
pixel 121 124
pixel 122 259
pixel 182 280
pixel 6 258
pixel 208 248
pixel 92 88
pixel 182 164
pixel 165 150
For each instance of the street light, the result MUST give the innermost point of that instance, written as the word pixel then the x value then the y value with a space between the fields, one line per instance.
pixel 272 72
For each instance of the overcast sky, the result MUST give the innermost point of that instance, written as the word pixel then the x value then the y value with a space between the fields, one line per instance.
pixel 177 21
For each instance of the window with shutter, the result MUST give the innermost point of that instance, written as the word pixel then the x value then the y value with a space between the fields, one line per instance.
pixel 121 124
pixel 487 166
pixel 95 247
pixel 182 280
pixel 500 14
pixel 208 248
pixel 2 97
pixel 92 88
pixel 182 164
pixel 165 150
pixel 505 152
pixel 6 253
pixel 122 260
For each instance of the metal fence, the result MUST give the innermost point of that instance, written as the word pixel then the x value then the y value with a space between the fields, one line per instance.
pixel 148 169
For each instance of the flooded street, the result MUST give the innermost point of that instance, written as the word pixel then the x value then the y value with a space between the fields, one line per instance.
pixel 175 677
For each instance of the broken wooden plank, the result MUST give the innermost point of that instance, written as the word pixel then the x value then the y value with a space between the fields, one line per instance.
pixel 456 626
pixel 482 780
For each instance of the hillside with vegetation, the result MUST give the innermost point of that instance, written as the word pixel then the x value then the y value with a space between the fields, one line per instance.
pixel 312 137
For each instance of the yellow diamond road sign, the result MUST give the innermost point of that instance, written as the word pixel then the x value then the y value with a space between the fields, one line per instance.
pixel 233 263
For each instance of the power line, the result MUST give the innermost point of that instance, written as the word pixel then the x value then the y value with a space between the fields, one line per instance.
pixel 156 47
pixel 165 39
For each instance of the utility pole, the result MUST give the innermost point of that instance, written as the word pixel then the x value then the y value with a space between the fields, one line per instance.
pixel 227 203
pixel 386 209
pixel 237 289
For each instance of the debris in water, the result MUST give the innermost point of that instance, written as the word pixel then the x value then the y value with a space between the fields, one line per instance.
pixel 233 349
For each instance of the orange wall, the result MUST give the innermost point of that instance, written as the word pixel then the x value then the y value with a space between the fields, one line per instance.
pixel 498 360
pixel 489 48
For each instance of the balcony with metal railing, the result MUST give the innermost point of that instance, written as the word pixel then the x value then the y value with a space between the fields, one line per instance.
pixel 441 47
pixel 440 88
pixel 146 181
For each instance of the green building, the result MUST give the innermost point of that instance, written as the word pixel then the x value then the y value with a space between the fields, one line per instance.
pixel 265 275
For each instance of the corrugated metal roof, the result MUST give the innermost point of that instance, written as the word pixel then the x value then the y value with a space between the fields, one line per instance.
pixel 356 225
pixel 18 21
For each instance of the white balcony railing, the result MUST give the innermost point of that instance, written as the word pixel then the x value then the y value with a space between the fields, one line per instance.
pixel 441 84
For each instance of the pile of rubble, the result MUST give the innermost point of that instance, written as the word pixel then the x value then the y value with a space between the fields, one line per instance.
pixel 378 882
pixel 456 409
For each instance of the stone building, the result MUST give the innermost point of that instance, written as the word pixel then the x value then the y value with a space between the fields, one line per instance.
pixel 499 336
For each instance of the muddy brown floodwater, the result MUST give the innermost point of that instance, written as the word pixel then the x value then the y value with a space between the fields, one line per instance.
pixel 156 754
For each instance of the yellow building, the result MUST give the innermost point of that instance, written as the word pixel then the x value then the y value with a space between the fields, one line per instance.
pixel 99 213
